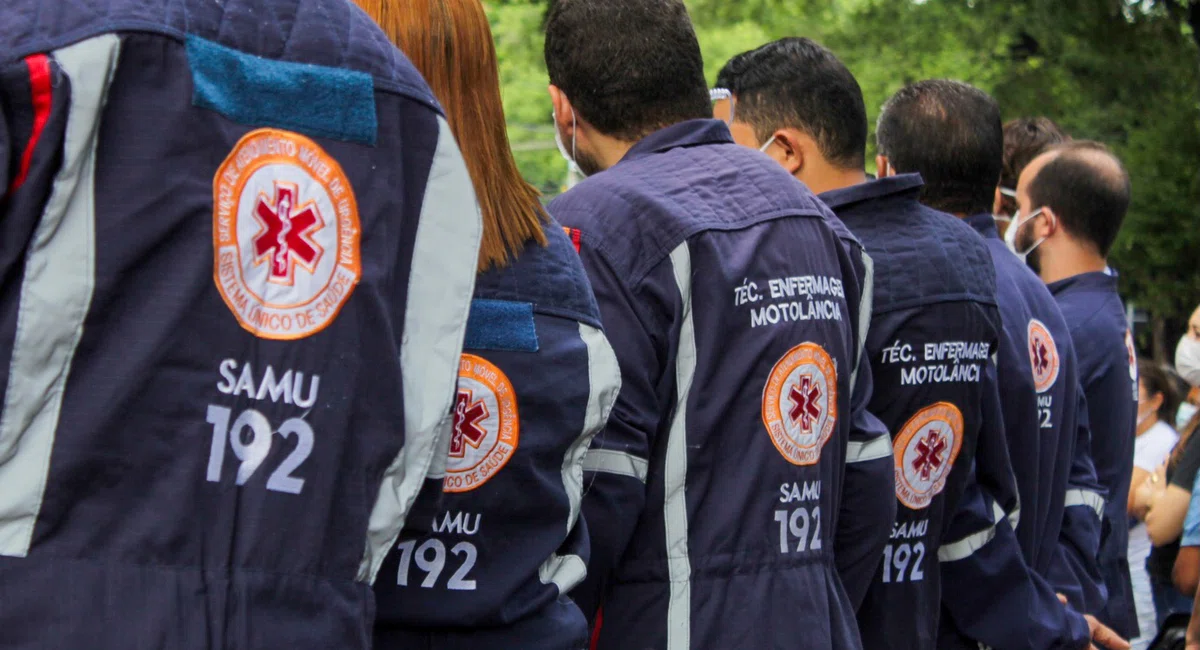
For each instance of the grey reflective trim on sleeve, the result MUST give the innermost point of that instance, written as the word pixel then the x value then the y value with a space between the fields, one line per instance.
pixel 966 547
pixel 679 568
pixel 616 462
pixel 1087 498
pixel 873 449
pixel 604 382
pixel 56 293
pixel 865 307
pixel 441 281
pixel 565 571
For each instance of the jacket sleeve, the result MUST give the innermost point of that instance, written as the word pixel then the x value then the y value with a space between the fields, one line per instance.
pixel 1075 572
pixel 868 507
pixel 988 592
pixel 617 463
pixel 440 285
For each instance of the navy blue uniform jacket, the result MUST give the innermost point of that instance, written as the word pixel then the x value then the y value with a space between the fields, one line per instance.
pixel 237 249
pixel 736 304
pixel 934 328
pixel 488 561
pixel 1108 370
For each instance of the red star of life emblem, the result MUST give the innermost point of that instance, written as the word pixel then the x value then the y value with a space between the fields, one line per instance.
pixel 805 396
pixel 929 454
pixel 1041 357
pixel 285 237
pixel 469 415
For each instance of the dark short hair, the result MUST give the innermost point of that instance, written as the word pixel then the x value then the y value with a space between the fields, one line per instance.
pixel 1025 138
pixel 950 132
pixel 1158 380
pixel 1087 188
pixel 629 67
pixel 794 82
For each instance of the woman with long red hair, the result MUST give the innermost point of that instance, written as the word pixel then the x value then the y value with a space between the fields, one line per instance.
pixel 487 557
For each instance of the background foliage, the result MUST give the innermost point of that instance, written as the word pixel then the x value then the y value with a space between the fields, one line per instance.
pixel 1126 72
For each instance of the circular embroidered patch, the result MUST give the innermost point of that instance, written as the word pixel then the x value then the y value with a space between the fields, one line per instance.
pixel 486 425
pixel 925 450
pixel 285 235
pixel 799 405
pixel 1043 356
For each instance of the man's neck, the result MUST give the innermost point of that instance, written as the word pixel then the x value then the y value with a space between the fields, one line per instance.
pixel 609 151
pixel 831 178
pixel 1069 262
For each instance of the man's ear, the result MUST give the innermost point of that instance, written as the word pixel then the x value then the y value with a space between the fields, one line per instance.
pixel 1048 225
pixel 882 168
pixel 791 150
pixel 998 202
pixel 562 109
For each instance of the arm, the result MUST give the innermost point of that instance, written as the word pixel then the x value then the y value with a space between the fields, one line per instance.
pixel 1169 505
pixel 1137 507
pixel 618 461
pixel 868 506
pixel 1075 571
pixel 441 281
pixel 1187 564
pixel 988 591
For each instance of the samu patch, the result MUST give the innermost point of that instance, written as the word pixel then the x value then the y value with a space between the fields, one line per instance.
pixel 487 426
pixel 285 235
pixel 799 407
pixel 925 450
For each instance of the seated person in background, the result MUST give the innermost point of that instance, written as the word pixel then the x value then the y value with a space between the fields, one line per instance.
pixel 1157 403
pixel 1168 493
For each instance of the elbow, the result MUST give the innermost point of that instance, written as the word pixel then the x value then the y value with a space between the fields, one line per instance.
pixel 1186 579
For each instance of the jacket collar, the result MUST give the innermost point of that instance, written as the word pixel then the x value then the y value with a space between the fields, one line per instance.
pixel 900 184
pixel 682 134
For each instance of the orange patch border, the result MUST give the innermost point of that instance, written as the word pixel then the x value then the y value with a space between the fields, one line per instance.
pixel 941 412
pixel 294 321
pixel 772 415
pixel 1036 325
pixel 487 373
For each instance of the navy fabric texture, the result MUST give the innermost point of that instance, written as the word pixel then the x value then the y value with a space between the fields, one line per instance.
pixel 688 194
pixel 518 520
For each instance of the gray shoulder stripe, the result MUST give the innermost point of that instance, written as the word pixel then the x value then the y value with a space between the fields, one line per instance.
pixel 55 299
pixel 679 567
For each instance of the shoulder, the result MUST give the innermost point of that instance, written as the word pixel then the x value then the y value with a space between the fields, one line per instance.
pixel 327 33
pixel 551 278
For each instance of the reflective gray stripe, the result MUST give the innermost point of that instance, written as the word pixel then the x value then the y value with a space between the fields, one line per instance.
pixel 874 449
pixel 445 255
pixel 604 382
pixel 966 547
pixel 865 307
pixel 1087 498
pixel 616 462
pixel 565 571
pixel 56 293
pixel 679 568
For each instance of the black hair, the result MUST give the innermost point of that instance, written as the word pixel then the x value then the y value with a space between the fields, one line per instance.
pixel 1025 138
pixel 629 67
pixel 950 133
pixel 1156 380
pixel 1088 189
pixel 795 82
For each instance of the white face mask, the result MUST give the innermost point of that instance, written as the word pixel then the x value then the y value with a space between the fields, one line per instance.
pixel 767 144
pixel 1186 412
pixel 1187 360
pixel 1010 235
pixel 562 149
